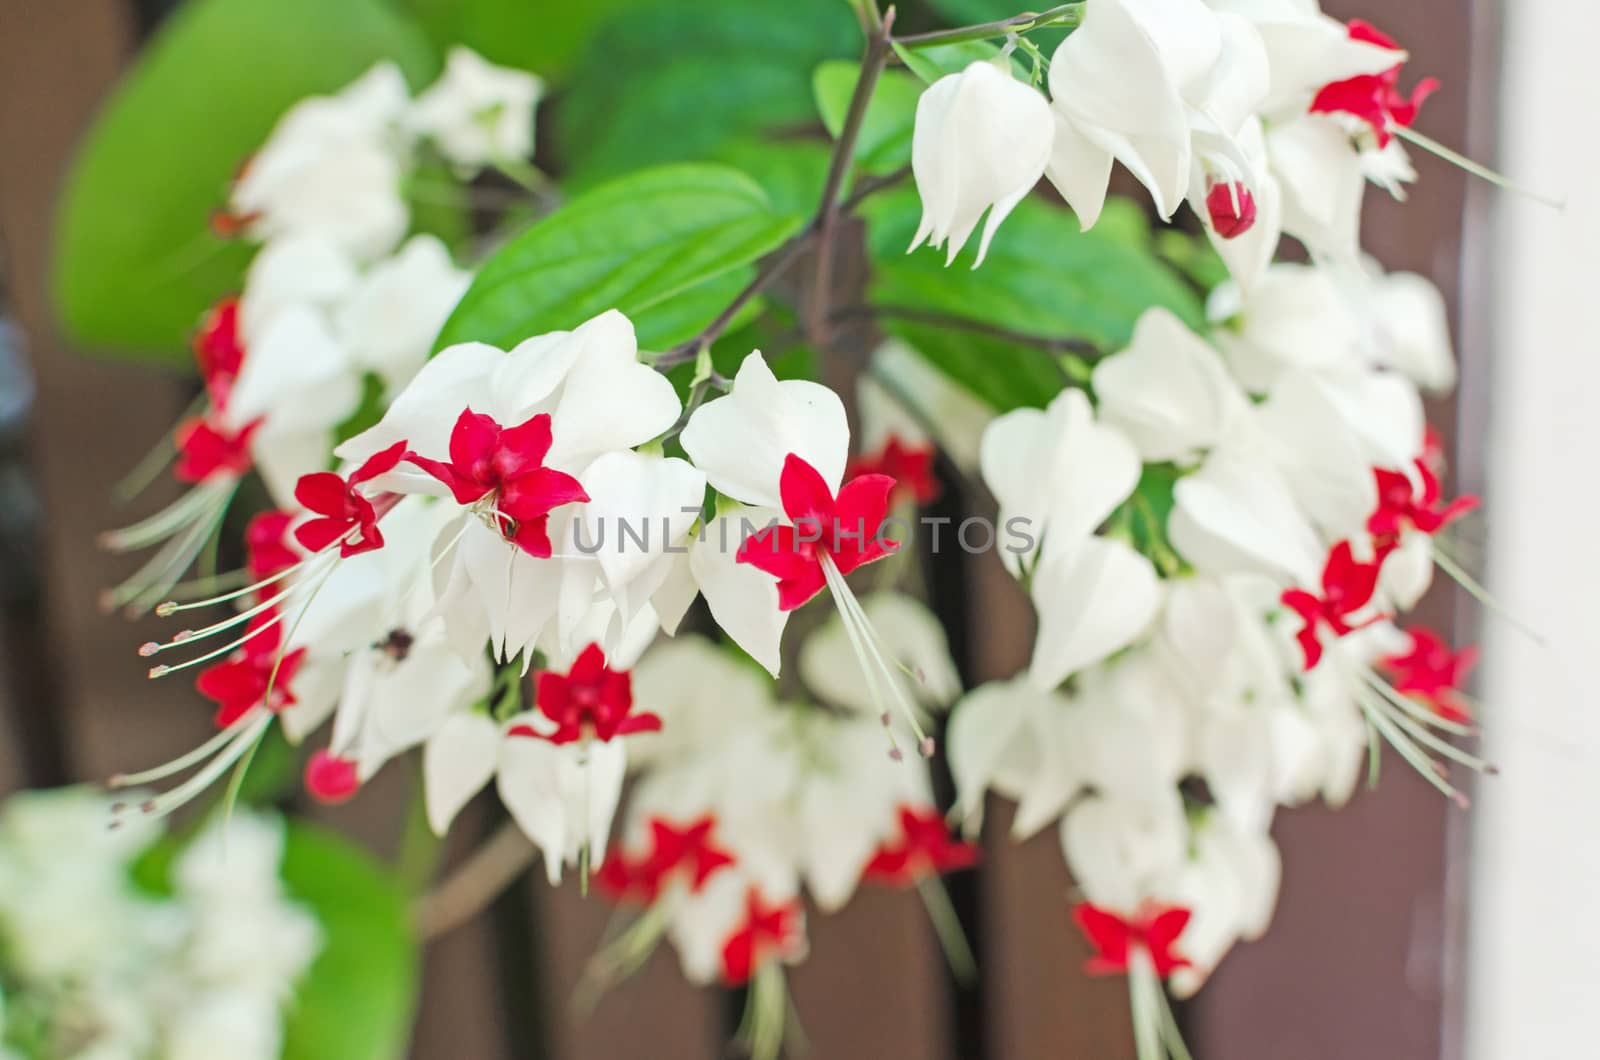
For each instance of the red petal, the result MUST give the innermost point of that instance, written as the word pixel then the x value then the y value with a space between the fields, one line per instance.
pixel 538 492
pixel 473 443
pixel 1108 934
pixel 322 492
pixel 533 537
pixel 465 491
pixel 331 780
pixel 524 446
pixel 317 534
pixel 379 463
pixel 805 494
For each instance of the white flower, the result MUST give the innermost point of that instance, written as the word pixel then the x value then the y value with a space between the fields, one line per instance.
pixel 1413 329
pixel 1162 86
pixel 570 405
pixel 1093 599
pixel 1295 316
pixel 1057 475
pixel 1118 847
pixel 304 269
pixel 914 640
pixel 1306 50
pixel 478 113
pixel 1169 391
pixel 390 320
pixel 349 193
pixel 561 796
pixel 1322 182
pixel 1237 514
pixel 981 142
pixel 1019 740
pixel 702 694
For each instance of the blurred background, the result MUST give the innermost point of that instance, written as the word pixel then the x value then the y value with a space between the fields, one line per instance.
pixel 1405 928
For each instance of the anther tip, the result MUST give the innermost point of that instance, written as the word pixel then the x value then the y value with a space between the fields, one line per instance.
pixel 159 671
pixel 884 718
pixel 106 602
pixel 1461 801
pixel 148 648
pixel 927 747
pixel 166 608
pixel 1491 770
pixel 182 635
pixel 896 755
pixel 148 806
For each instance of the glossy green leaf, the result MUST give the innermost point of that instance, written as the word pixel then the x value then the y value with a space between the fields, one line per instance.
pixel 1042 277
pixel 135 263
pixel 356 1002
pixel 669 246
pixel 672 81
pixel 936 61
pixel 884 143
pixel 544 36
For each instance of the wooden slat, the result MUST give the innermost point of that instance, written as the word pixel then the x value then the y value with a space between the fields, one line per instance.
pixel 1354 963
pixel 1039 1004
pixel 655 1014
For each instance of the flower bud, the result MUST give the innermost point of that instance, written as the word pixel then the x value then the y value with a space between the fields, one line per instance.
pixel 1232 209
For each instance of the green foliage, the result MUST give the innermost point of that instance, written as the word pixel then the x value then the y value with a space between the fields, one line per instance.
pixel 668 246
pixel 673 81
pixel 356 1001
pixel 884 143
pixel 544 36
pixel 135 263
pixel 1042 277
pixel 791 172
pixel 935 61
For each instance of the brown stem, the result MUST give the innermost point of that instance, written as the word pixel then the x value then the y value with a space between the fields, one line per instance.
pixel 934 318
pixel 480 880
pixel 872 64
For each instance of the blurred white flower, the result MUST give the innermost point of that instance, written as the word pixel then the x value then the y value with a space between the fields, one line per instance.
pixel 477 113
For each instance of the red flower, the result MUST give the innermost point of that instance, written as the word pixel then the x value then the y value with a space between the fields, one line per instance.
pixel 1434 674
pixel 218 350
pixel 330 779
pixel 688 850
pixel 822 528
pixel 1404 505
pixel 506 463
pixel 1232 208
pixel 240 683
pixel 590 700
pixel 768 931
pixel 1154 929
pixel 266 544
pixel 343 508
pixel 924 848
pixel 911 466
pixel 207 450
pixel 1347 587
pixel 1375 98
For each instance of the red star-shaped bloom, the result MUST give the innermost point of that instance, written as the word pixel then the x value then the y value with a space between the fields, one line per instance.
pixel 843 530
pixel 241 682
pixel 1154 929
pixel 218 349
pixel 266 544
pixel 1404 504
pixel 346 514
pixel 1375 98
pixel 686 851
pixel 923 848
pixel 1347 587
pixel 911 467
pixel 208 450
pixel 768 931
pixel 506 463
pixel 1434 674
pixel 590 700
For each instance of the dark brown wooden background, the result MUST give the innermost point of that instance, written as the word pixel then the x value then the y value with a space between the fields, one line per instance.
pixel 1361 959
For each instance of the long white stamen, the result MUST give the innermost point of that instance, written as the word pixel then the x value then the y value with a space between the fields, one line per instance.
pixel 851 612
pixel 188 637
pixel 163 671
pixel 172 607
pixel 163 523
pixel 155 579
pixel 1430 770
pixel 867 670
pixel 1414 709
pixel 1482 595
pixel 1432 146
pixel 245 739
pixel 179 764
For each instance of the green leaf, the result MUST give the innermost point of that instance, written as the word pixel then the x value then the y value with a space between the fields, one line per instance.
pixel 544 36
pixel 670 247
pixel 1042 277
pixel 791 172
pixel 673 81
pixel 884 143
pixel 135 263
pixel 938 60
pixel 356 1001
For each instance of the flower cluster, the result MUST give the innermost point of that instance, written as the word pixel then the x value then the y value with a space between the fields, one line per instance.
pixel 95 967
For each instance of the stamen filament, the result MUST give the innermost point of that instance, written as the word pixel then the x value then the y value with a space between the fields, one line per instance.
pixel 1427 143
pixel 179 764
pixel 245 739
